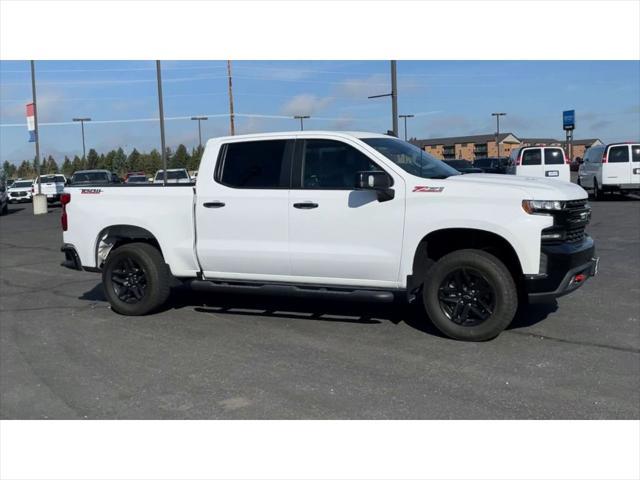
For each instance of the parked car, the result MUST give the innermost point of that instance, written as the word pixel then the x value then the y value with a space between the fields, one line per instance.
pixel 463 166
pixel 174 175
pixel 20 191
pixel 136 179
pixel 50 185
pixel 492 164
pixel 337 214
pixel 611 168
pixel 549 162
pixel 94 177
pixel 4 197
pixel 133 174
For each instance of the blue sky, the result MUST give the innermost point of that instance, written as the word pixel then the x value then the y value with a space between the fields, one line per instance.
pixel 448 98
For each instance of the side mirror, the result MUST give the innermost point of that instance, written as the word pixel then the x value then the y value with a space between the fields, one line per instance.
pixel 375 180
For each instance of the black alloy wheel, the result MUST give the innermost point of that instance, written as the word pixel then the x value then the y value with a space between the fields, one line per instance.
pixel 129 281
pixel 466 297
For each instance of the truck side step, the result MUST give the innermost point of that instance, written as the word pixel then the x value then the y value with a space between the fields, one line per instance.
pixel 287 290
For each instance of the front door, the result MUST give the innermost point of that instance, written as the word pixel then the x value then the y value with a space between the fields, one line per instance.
pixel 337 234
pixel 242 213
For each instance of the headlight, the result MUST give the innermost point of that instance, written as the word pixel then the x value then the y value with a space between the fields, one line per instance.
pixel 542 206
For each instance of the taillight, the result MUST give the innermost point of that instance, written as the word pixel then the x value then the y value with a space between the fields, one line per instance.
pixel 64 199
pixel 566 159
pixel 604 157
pixel 519 160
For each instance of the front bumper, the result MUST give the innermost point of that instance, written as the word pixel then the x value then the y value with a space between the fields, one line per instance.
pixel 563 269
pixel 71 257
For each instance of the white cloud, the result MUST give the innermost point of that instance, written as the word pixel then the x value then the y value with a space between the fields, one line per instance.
pixel 306 104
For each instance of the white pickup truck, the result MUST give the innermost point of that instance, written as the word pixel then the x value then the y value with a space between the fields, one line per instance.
pixel 358 215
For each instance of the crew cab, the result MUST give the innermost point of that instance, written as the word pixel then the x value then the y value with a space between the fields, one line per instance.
pixel 355 215
pixel 50 185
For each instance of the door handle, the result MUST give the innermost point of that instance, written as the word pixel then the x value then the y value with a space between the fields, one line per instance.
pixel 213 204
pixel 305 205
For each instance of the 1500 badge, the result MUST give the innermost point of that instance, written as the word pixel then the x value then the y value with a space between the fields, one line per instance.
pixel 91 190
pixel 424 189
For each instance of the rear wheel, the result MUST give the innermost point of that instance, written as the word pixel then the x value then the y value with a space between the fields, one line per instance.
pixel 598 194
pixel 136 279
pixel 470 295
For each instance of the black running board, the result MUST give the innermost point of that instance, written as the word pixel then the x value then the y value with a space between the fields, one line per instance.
pixel 289 290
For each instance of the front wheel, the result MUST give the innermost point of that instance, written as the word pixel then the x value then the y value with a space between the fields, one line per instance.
pixel 470 295
pixel 136 279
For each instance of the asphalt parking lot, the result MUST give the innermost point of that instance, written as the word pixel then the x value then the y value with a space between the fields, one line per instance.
pixel 64 354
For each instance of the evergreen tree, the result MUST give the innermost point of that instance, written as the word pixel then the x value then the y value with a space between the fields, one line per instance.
pixel 35 168
pixel 25 170
pixel 152 163
pixel 180 159
pixel 119 161
pixel 78 164
pixel 9 169
pixel 108 161
pixel 92 159
pixel 134 162
pixel 102 162
pixel 67 167
pixel 51 166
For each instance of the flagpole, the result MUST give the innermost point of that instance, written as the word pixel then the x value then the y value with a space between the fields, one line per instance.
pixel 35 119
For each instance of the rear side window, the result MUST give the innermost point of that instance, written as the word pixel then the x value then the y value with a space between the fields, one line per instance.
pixel 553 156
pixel 618 154
pixel 532 157
pixel 635 153
pixel 254 164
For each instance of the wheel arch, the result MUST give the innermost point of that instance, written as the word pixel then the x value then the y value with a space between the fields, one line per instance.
pixel 438 243
pixel 114 236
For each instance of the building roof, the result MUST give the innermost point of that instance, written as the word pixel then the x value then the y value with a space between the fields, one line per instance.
pixel 491 137
pixel 540 141
pixel 587 141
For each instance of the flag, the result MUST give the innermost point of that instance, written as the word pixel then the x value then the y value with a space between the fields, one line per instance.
pixel 31 122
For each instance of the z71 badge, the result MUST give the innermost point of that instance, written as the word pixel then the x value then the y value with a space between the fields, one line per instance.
pixel 91 190
pixel 424 189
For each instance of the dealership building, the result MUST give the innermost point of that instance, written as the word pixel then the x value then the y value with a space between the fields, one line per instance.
pixel 471 147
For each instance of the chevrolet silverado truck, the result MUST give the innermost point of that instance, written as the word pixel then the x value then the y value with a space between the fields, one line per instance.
pixel 336 214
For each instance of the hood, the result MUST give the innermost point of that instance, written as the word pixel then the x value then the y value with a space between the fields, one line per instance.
pixel 19 189
pixel 533 188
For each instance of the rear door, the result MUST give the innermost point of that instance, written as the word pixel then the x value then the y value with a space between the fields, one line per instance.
pixel 242 212
pixel 635 164
pixel 617 169
pixel 531 163
pixel 555 165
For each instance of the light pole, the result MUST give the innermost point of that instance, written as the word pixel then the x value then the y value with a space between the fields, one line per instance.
pixel 82 120
pixel 394 98
pixel 301 118
pixel 161 111
pixel 35 119
pixel 199 119
pixel 498 115
pixel 405 124
pixel 231 115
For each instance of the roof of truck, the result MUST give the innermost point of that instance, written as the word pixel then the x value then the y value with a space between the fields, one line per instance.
pixel 297 133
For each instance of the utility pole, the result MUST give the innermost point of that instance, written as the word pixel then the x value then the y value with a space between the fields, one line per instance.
pixel 35 119
pixel 405 124
pixel 498 115
pixel 394 98
pixel 82 120
pixel 199 119
pixel 231 116
pixel 164 150
pixel 301 118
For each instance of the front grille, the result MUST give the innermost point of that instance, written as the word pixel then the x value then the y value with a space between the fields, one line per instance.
pixel 575 204
pixel 574 235
pixel 18 194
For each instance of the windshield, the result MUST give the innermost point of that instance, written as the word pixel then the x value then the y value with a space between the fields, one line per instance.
pixel 90 177
pixel 137 179
pixel 52 179
pixel 21 184
pixel 172 175
pixel 410 158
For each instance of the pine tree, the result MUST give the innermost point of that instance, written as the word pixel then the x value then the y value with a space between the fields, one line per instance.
pixel 51 165
pixel 77 163
pixel 9 169
pixel 134 163
pixel 67 167
pixel 180 159
pixel 92 159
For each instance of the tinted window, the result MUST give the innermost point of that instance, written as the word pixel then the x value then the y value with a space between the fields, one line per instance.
pixel 137 179
pixel 635 153
pixel 51 179
pixel 22 184
pixel 172 175
pixel 532 157
pixel 618 154
pixel 332 165
pixel 90 177
pixel 254 164
pixel 553 156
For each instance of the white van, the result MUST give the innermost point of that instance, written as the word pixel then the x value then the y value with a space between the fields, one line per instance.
pixel 611 168
pixel 547 162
